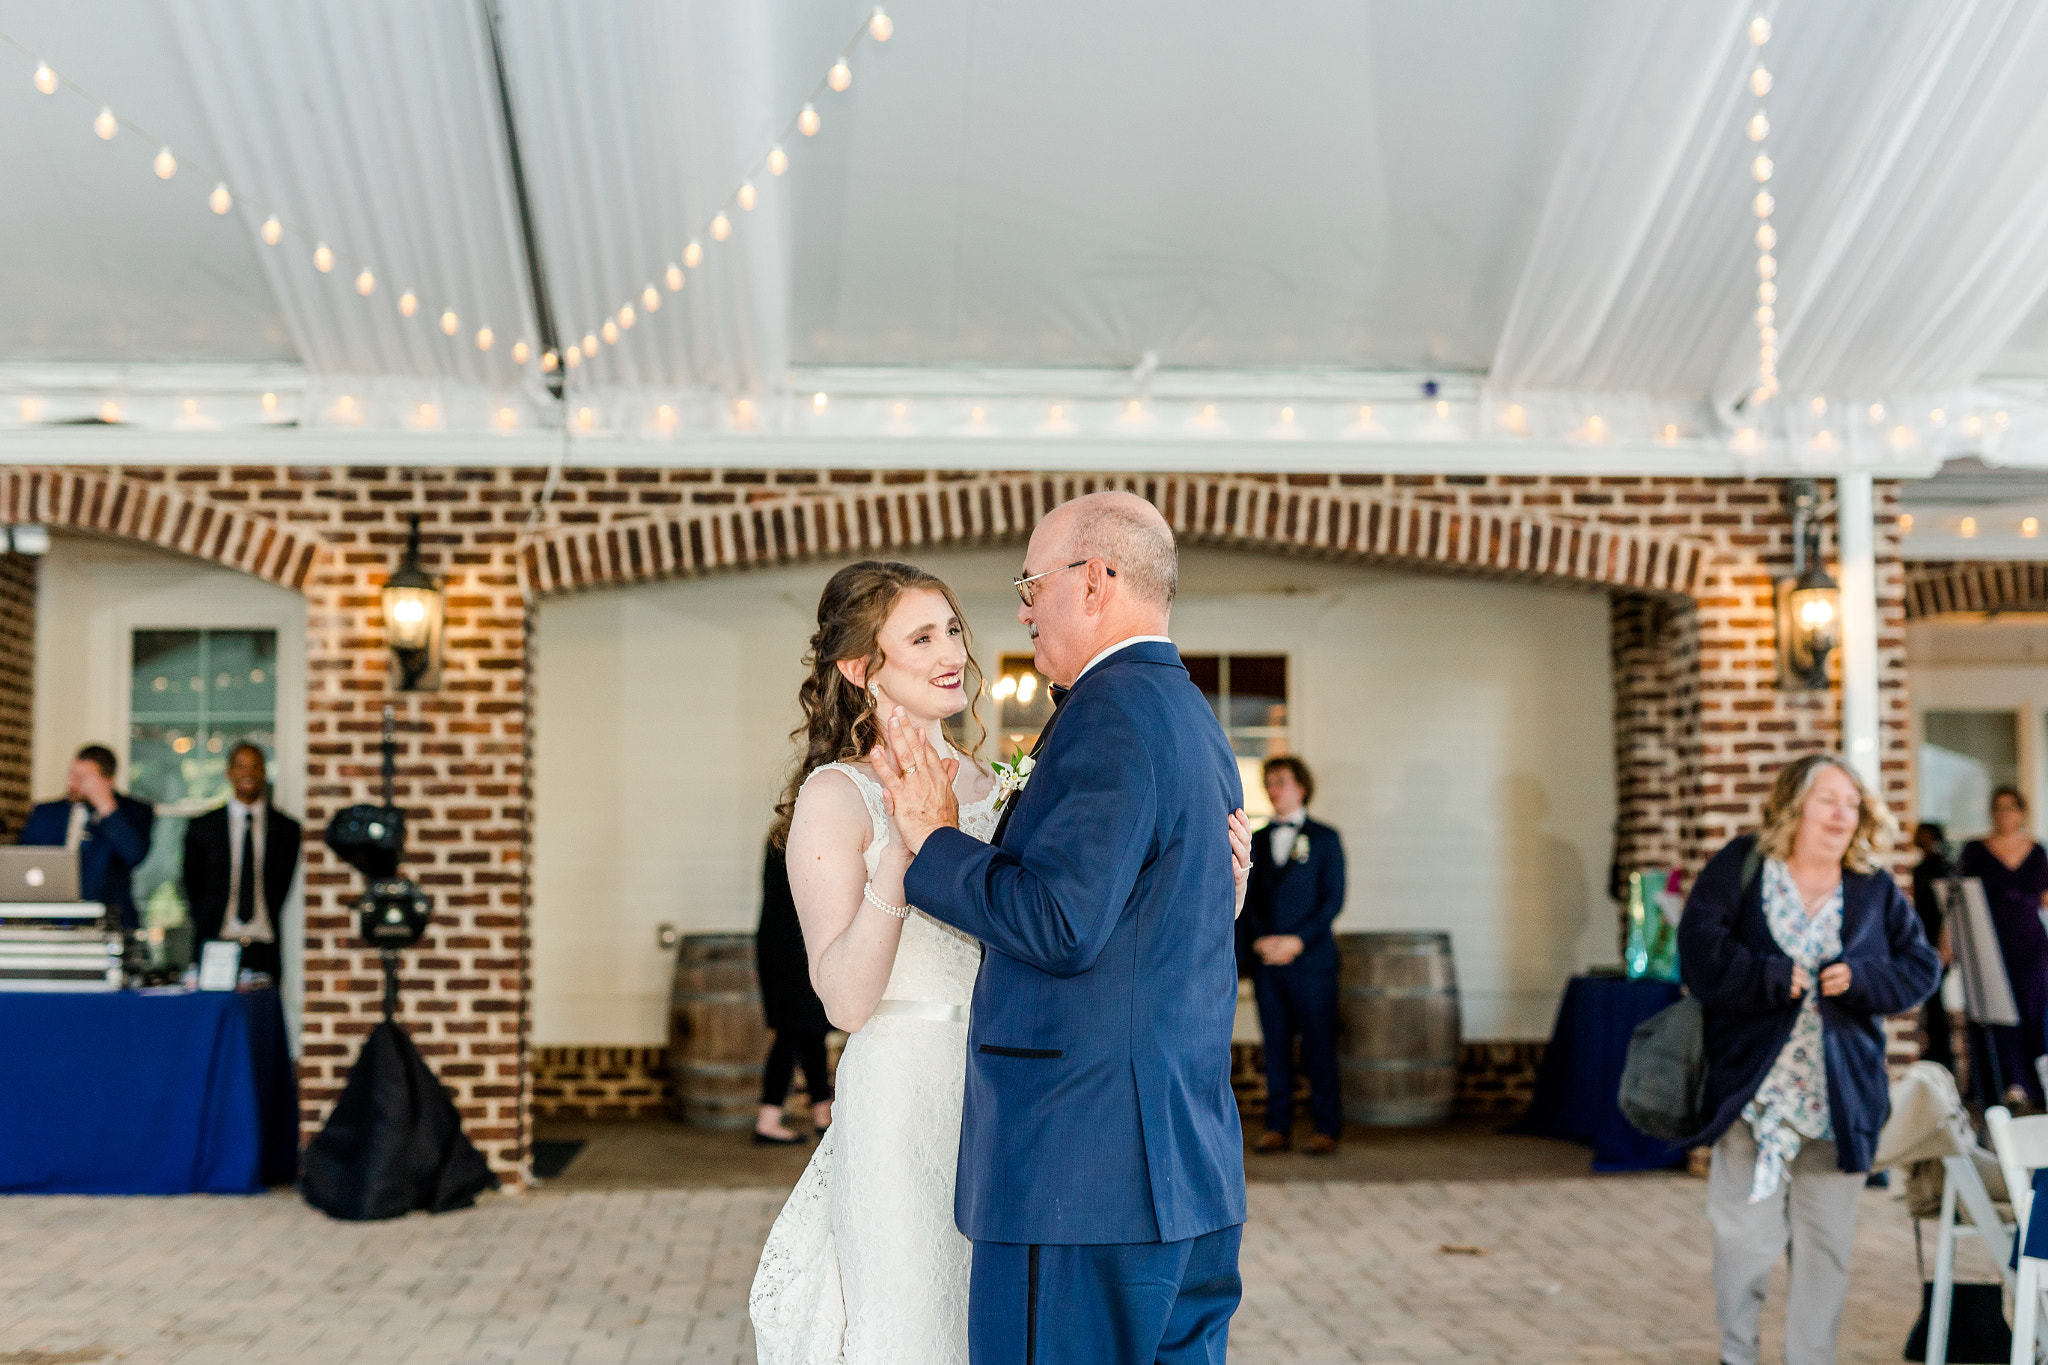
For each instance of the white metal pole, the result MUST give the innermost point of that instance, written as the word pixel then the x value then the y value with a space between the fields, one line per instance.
pixel 1856 547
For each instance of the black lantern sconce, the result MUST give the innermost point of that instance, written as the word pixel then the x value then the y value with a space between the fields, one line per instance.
pixel 1809 605
pixel 412 620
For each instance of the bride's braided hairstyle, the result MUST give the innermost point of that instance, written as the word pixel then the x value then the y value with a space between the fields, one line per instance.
pixel 840 724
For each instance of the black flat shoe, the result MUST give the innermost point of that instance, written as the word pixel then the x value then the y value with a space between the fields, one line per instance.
pixel 762 1139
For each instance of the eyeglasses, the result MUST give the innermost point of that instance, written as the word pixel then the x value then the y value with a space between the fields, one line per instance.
pixel 1029 593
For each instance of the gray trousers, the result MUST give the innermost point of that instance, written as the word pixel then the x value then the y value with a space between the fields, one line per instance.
pixel 1814 1213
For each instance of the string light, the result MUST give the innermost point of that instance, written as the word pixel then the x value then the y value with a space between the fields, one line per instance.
pixel 165 164
pixel 46 79
pixel 721 228
pixel 807 121
pixel 745 196
pixel 840 76
pixel 105 126
pixel 273 231
pixel 408 304
pixel 450 324
pixel 627 317
pixel 693 254
pixel 366 284
pixel 881 27
pixel 610 332
pixel 778 160
pixel 549 361
pixel 1761 169
pixel 484 338
pixel 650 299
pixel 323 259
pixel 220 201
pixel 520 351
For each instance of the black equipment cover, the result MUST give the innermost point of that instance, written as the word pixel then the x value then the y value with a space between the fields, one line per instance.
pixel 368 838
pixel 394 1142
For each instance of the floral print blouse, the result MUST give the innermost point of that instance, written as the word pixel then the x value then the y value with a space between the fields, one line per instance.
pixel 1792 1103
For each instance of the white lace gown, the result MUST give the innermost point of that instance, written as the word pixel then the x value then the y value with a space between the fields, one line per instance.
pixel 864 1265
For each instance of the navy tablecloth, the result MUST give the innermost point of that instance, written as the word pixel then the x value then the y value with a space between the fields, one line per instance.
pixel 1577 1085
pixel 131 1093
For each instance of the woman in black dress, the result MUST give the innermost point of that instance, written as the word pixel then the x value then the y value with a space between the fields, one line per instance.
pixel 793 1009
pixel 2014 870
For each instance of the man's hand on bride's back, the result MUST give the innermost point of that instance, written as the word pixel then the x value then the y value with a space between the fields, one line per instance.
pixel 1240 854
pixel 919 782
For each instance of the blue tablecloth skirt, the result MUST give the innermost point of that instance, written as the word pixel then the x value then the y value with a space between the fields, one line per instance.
pixel 130 1093
pixel 1577 1085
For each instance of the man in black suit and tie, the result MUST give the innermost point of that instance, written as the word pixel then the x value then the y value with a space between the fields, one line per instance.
pixel 239 863
pixel 1297 890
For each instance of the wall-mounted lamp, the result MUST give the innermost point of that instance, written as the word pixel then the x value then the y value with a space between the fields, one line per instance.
pixel 412 620
pixel 25 538
pixel 1809 605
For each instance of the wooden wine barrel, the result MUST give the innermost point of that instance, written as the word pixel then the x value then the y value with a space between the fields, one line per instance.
pixel 717 1038
pixel 1399 1028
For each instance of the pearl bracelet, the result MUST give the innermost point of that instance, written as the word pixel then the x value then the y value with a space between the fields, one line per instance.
pixel 867 893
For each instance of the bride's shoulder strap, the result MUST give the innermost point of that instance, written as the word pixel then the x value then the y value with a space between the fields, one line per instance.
pixel 869 789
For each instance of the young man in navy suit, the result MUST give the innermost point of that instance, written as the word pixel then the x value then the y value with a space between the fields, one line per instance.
pixel 109 830
pixel 1297 891
pixel 1101 1158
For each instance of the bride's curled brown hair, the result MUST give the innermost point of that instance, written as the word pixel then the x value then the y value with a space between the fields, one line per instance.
pixel 839 722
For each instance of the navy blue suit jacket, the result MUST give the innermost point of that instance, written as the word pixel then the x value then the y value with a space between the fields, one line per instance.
pixel 1744 983
pixel 1302 897
pixel 1098 1105
pixel 111 849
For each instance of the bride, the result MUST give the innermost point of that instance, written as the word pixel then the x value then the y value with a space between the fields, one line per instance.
pixel 865 1265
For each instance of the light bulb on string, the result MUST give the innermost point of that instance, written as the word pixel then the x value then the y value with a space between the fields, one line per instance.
pixel 520 351
pixel 366 284
pixel 408 304
pixel 484 338
pixel 807 121
pixel 1759 30
pixel 273 231
pixel 627 317
pixel 1763 203
pixel 673 278
pixel 650 298
pixel 549 362
pixel 1759 127
pixel 610 332
pixel 46 79
pixel 1760 82
pixel 1767 292
pixel 572 357
pixel 450 324
pixel 323 259
pixel 693 254
pixel 721 228
pixel 220 201
pixel 880 26
pixel 840 76
pixel 105 125
pixel 1766 237
pixel 1761 168
pixel 165 164
pixel 1765 316
pixel 589 345
pixel 778 160
pixel 1766 267
pixel 745 197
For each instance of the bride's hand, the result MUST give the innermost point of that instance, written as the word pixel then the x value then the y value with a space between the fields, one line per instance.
pixel 1240 854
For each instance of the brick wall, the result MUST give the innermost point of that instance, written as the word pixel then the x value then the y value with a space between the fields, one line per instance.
pixel 1706 548
pixel 600 1082
pixel 17 687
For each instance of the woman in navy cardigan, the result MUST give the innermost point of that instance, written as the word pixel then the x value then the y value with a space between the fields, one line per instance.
pixel 1797 948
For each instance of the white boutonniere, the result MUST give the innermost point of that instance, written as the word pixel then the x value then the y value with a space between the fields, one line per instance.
pixel 1011 777
pixel 1300 854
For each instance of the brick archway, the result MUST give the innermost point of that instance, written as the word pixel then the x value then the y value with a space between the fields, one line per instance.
pixel 785 527
pixel 108 503
pixel 1976 586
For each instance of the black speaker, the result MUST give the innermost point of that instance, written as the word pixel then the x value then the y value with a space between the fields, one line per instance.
pixel 368 838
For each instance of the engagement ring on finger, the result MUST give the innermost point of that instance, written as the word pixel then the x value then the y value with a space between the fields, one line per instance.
pixel 909 770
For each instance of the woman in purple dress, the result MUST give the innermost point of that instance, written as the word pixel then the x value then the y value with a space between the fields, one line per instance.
pixel 2014 870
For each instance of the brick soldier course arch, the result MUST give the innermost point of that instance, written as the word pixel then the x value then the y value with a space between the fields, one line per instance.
pixel 1942 589
pixel 1389 527
pixel 1699 726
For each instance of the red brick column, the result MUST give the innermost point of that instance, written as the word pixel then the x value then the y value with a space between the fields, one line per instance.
pixel 17 688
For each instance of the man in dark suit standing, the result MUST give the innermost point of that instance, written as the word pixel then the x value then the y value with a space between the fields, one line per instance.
pixel 1297 891
pixel 109 830
pixel 239 863
pixel 1101 1169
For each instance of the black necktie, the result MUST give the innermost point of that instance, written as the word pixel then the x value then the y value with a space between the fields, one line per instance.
pixel 245 884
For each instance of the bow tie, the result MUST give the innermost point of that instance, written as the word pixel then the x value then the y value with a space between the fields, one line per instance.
pixel 1295 823
pixel 1058 693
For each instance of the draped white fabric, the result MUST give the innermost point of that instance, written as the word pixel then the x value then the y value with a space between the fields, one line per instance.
pixel 376 126
pixel 1547 204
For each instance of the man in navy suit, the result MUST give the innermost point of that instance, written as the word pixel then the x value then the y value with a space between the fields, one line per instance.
pixel 109 830
pixel 1101 1158
pixel 1296 893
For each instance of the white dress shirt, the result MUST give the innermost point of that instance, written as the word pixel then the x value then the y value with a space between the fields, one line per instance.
pixel 1121 644
pixel 1283 832
pixel 239 819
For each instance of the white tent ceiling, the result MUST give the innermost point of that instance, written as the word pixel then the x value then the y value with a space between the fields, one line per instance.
pixel 1225 213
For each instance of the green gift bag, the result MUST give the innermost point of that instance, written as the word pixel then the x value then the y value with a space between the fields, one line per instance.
pixel 1652 949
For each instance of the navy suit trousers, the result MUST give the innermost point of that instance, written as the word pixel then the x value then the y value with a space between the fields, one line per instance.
pixel 1118 1303
pixel 1300 1002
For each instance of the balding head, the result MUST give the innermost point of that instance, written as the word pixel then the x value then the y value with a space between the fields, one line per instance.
pixel 1106 572
pixel 1129 533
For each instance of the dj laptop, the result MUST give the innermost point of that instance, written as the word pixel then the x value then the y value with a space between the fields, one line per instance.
pixel 38 876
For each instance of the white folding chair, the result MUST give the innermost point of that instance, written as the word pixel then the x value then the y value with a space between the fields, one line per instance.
pixel 2022 1148
pixel 1928 1123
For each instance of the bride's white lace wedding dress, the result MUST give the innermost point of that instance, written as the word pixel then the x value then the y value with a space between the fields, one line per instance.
pixel 864 1265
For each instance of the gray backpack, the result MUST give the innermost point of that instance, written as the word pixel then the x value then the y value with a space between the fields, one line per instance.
pixel 1664 1081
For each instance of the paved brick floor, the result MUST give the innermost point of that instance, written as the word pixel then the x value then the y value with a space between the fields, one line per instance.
pixel 1573 1271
